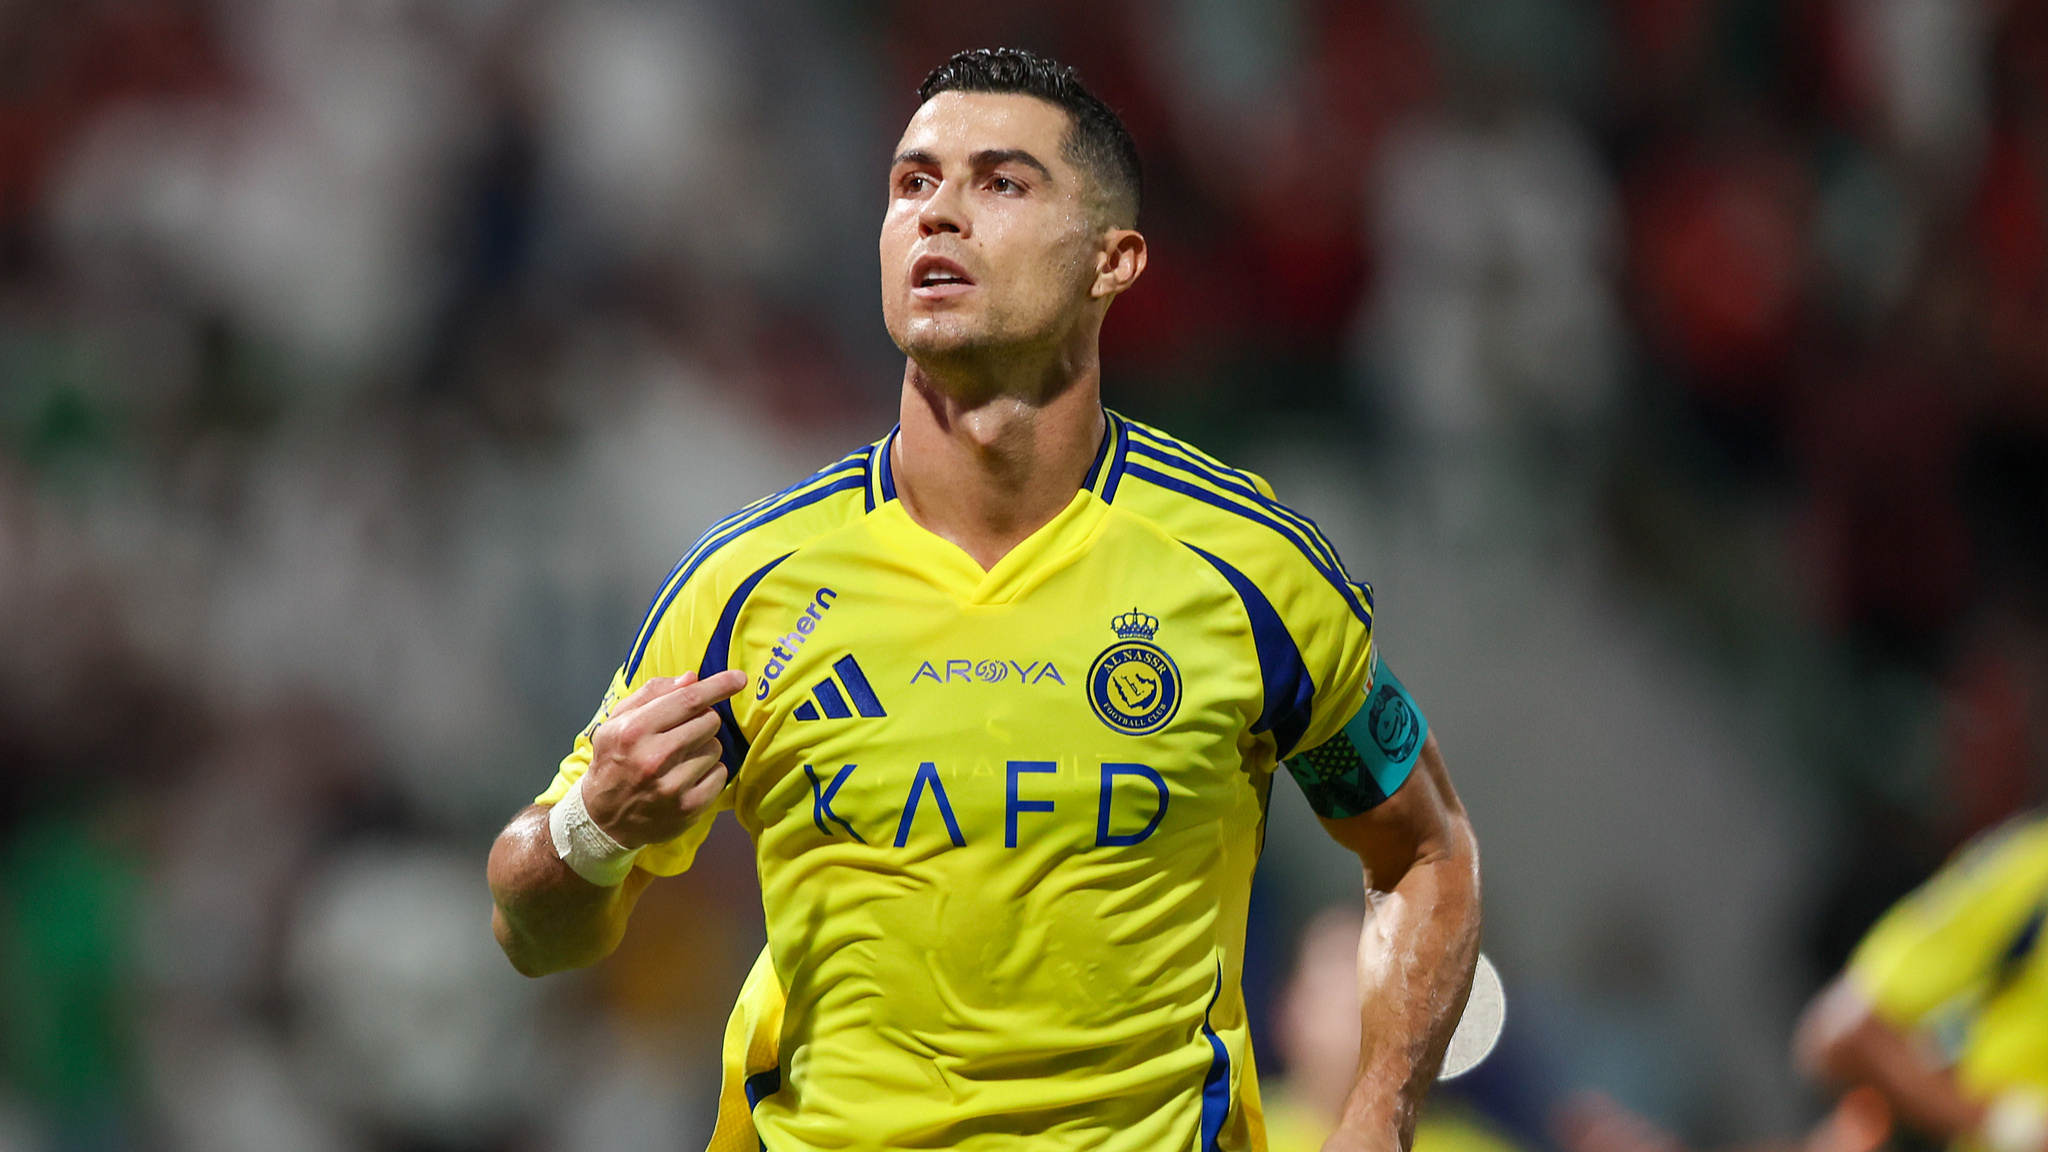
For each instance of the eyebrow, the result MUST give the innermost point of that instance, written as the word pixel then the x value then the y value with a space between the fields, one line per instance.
pixel 981 161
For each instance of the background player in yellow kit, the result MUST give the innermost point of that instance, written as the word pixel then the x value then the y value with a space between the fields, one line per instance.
pixel 1940 1018
pixel 1944 1006
pixel 1000 699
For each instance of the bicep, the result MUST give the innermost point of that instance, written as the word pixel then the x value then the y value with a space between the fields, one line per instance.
pixel 1422 820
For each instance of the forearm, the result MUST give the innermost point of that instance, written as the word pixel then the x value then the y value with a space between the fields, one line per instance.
pixel 1415 969
pixel 546 917
pixel 1843 1041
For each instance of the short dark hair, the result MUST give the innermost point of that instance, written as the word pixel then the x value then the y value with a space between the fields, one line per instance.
pixel 1097 141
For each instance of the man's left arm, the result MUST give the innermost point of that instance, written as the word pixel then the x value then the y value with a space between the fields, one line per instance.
pixel 1416 956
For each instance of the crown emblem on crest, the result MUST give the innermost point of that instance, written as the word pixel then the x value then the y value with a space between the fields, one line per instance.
pixel 1135 625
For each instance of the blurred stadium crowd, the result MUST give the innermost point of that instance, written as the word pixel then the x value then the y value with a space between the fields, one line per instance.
pixel 1678 370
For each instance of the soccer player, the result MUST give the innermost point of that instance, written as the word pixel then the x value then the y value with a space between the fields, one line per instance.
pixel 1000 699
pixel 1940 1018
pixel 1944 1006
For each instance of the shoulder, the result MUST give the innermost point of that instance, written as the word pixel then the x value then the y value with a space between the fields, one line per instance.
pixel 2011 854
pixel 1974 903
pixel 1229 515
pixel 738 547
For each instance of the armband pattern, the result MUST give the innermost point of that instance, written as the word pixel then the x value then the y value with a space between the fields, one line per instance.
pixel 1369 758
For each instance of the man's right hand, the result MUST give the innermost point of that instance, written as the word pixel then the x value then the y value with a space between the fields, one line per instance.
pixel 654 764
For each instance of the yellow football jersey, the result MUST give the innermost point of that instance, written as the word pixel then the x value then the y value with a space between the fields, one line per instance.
pixel 1006 821
pixel 1962 959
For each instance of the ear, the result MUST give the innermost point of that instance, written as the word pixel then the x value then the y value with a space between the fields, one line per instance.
pixel 1118 263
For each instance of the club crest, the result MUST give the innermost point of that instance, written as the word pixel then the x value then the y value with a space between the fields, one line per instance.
pixel 1134 685
pixel 1394 725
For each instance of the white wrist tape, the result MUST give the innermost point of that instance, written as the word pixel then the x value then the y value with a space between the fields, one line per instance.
pixel 588 850
pixel 2016 1122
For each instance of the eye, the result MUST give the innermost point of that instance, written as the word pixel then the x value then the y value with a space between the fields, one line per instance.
pixel 916 182
pixel 1003 185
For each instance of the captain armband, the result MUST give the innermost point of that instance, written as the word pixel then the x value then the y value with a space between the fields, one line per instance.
pixel 1368 758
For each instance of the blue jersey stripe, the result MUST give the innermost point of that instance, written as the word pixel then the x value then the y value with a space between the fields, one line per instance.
pixel 831 701
pixel 717 656
pixel 1298 528
pixel 1290 690
pixel 857 686
pixel 1215 1085
pixel 848 463
pixel 1186 459
pixel 713 538
pixel 1232 480
pixel 846 483
pixel 1118 455
pixel 870 493
pixel 885 467
pixel 1196 463
pixel 1093 480
pixel 1215 499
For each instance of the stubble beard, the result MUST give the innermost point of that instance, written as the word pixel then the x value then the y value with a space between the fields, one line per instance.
pixel 965 355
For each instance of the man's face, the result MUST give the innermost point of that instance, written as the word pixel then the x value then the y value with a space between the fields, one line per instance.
pixel 988 242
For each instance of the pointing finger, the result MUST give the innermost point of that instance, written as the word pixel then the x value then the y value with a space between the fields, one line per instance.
pixel 652 689
pixel 693 699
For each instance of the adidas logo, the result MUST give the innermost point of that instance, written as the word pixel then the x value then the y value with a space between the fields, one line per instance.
pixel 828 702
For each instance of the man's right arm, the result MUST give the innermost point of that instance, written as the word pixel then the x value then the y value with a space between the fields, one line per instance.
pixel 546 917
pixel 654 771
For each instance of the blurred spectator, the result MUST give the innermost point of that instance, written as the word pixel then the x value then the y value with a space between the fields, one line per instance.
pixel 1494 320
pixel 1316 1029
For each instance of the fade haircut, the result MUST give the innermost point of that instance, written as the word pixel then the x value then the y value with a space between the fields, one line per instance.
pixel 1097 142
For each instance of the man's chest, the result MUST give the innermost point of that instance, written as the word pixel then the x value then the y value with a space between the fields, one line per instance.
pixel 884 704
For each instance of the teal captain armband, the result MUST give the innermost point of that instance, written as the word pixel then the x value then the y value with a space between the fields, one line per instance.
pixel 1368 758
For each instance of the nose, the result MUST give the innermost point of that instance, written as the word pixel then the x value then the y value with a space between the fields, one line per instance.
pixel 945 211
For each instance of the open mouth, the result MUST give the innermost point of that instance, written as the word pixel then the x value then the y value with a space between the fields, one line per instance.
pixel 935 277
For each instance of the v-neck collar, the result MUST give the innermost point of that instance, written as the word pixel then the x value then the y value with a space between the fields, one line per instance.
pixel 1051 547
pixel 1105 473
pixel 1055 544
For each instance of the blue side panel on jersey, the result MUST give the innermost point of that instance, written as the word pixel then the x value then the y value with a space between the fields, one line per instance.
pixel 1290 691
pixel 1287 531
pixel 831 701
pixel 848 483
pixel 716 655
pixel 762 1085
pixel 1216 1085
pixel 857 686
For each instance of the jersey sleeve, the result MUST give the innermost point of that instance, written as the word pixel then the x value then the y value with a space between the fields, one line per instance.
pixel 1950 938
pixel 1363 733
pixel 671 641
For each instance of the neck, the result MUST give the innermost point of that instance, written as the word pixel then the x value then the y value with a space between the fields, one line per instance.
pixel 985 467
